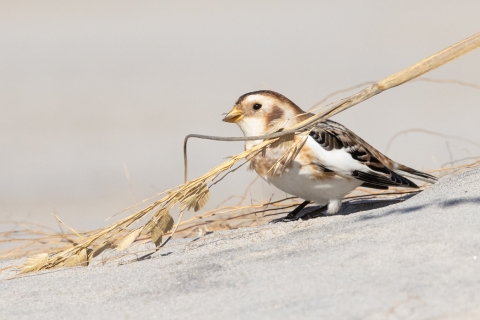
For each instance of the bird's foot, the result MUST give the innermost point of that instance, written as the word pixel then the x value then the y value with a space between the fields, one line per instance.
pixel 288 218
pixel 307 216
pixel 292 216
pixel 320 212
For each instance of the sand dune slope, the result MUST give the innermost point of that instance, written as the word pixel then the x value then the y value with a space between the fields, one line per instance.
pixel 416 259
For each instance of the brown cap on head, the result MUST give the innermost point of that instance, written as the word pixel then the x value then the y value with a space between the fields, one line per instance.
pixel 270 93
pixel 249 103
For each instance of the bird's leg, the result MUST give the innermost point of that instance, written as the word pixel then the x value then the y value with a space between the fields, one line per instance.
pixel 315 213
pixel 292 216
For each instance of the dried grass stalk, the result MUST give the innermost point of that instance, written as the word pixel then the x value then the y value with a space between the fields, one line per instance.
pixel 290 154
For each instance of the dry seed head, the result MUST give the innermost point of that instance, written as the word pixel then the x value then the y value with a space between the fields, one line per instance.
pixel 34 263
pixel 202 198
pixel 160 224
pixel 165 222
pixel 99 249
pixel 196 198
pixel 76 260
pixel 156 235
pixel 156 218
pixel 128 239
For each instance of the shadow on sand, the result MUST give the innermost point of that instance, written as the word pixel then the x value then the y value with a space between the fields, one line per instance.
pixel 352 207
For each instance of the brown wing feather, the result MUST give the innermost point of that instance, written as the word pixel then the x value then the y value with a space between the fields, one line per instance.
pixel 332 135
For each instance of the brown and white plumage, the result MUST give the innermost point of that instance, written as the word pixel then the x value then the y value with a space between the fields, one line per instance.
pixel 332 162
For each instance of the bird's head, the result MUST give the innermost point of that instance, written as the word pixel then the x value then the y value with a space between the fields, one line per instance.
pixel 262 112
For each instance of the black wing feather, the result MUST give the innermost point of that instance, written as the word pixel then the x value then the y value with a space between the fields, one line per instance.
pixel 380 180
pixel 373 186
pixel 331 135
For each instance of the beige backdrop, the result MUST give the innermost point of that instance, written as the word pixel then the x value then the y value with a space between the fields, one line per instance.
pixel 96 96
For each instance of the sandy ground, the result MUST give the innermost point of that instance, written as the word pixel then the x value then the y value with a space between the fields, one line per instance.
pixel 418 259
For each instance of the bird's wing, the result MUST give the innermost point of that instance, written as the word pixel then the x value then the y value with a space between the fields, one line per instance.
pixel 347 154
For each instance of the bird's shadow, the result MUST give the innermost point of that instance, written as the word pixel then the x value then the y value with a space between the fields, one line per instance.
pixel 438 203
pixel 352 207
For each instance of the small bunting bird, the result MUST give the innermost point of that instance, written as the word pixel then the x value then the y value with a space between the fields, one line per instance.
pixel 332 160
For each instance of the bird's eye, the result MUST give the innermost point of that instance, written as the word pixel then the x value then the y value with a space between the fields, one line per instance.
pixel 257 106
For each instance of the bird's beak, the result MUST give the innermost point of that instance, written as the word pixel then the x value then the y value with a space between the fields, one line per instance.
pixel 233 116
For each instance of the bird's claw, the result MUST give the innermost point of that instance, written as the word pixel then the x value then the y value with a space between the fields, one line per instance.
pixel 285 219
pixel 307 216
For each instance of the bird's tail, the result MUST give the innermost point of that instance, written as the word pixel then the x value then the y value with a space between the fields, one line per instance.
pixel 415 174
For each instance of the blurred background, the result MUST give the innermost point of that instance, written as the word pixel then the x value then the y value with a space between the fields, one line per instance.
pixel 97 96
